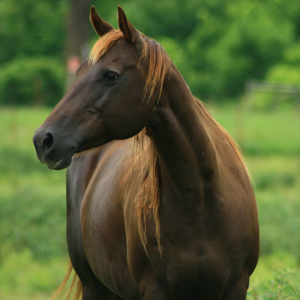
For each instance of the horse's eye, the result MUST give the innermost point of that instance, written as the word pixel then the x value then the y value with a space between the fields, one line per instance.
pixel 111 76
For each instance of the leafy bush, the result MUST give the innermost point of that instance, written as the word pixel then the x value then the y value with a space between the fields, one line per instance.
pixel 32 29
pixel 284 72
pixel 30 81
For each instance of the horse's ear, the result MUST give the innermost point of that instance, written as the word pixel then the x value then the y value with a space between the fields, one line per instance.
pixel 101 27
pixel 128 30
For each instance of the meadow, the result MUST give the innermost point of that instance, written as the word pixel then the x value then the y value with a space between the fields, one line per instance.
pixel 33 251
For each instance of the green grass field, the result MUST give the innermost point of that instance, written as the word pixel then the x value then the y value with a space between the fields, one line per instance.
pixel 33 252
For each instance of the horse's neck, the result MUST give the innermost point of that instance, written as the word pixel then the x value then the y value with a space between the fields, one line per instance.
pixel 185 151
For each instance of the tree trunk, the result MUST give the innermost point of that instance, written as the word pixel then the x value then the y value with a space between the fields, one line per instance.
pixel 78 33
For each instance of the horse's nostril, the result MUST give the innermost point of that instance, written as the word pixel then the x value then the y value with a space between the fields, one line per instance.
pixel 47 141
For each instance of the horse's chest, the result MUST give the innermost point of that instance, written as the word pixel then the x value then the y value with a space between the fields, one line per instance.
pixel 104 237
pixel 192 273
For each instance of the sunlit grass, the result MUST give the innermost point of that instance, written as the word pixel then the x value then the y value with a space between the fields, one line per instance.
pixel 261 132
pixel 24 277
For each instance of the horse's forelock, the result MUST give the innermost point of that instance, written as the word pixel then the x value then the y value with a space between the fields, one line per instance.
pixel 104 44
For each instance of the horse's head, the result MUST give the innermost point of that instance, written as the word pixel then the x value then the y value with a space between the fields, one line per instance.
pixel 106 102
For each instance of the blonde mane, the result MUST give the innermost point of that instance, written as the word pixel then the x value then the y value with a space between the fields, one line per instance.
pixel 144 151
pixel 148 200
pixel 103 44
pixel 158 63
pixel 231 141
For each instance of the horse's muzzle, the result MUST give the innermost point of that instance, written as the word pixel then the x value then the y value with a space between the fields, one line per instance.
pixel 56 155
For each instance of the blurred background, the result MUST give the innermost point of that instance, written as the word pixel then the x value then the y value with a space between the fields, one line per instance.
pixel 240 57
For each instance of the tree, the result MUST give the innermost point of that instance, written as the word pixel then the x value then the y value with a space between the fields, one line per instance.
pixel 78 35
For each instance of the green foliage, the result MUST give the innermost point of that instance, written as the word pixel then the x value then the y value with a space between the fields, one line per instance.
pixel 175 51
pixel 32 41
pixel 31 28
pixel 175 19
pixel 29 81
pixel 251 40
pixel 269 265
pixel 217 45
pixel 223 43
pixel 284 73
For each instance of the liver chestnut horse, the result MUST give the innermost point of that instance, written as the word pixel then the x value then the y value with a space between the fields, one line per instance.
pixel 159 201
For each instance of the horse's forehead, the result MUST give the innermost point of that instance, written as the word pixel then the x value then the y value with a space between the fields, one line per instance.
pixel 123 50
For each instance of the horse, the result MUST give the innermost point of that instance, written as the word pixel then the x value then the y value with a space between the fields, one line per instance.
pixel 159 201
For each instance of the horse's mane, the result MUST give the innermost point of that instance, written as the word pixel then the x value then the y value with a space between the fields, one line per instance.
pixel 227 136
pixel 158 63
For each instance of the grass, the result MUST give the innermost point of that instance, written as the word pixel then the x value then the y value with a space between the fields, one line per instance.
pixel 23 277
pixel 282 285
pixel 261 132
pixel 33 252
pixel 32 198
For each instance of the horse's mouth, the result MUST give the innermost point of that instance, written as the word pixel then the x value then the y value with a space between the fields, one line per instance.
pixel 63 163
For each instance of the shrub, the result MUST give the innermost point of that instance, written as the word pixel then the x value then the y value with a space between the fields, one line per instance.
pixel 28 81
